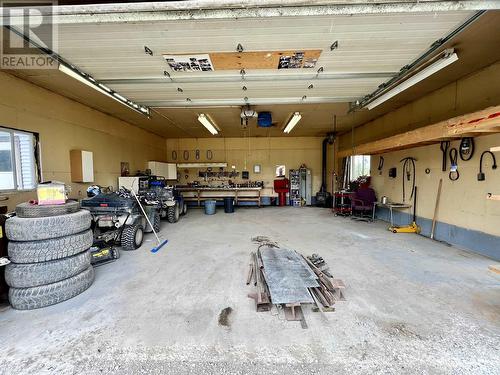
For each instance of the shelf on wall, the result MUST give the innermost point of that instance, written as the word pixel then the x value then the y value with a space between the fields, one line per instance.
pixel 484 122
pixel 201 165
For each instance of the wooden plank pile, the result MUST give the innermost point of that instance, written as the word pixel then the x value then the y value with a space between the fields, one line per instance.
pixel 328 291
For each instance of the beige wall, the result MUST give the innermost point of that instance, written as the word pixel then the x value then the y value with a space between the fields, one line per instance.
pixel 63 125
pixel 475 92
pixel 244 153
pixel 463 202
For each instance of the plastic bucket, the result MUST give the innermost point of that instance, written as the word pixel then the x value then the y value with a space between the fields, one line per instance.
pixel 210 207
pixel 228 205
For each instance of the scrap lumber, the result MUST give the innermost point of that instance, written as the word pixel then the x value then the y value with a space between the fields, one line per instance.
pixel 287 273
pixel 330 290
pixel 250 270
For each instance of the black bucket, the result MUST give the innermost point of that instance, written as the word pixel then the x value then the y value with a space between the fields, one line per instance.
pixel 228 205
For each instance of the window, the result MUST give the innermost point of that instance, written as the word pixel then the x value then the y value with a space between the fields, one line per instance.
pixel 17 160
pixel 360 166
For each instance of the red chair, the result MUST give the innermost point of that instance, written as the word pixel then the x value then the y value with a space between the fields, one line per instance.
pixel 362 204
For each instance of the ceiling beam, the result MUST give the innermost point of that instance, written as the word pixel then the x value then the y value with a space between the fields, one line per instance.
pixel 248 78
pixel 241 101
pixel 484 122
pixel 227 9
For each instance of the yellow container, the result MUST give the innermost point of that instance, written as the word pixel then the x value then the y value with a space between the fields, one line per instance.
pixel 53 193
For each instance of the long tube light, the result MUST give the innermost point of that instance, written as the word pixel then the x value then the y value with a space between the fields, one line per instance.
pixel 205 121
pixel 103 89
pixel 293 121
pixel 420 76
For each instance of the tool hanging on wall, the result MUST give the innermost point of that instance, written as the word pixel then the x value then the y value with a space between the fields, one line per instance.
pixel 409 174
pixel 466 148
pixel 380 165
pixel 444 148
pixel 454 174
pixel 481 176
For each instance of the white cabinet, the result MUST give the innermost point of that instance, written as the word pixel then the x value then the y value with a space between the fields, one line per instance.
pixel 160 169
pixel 82 166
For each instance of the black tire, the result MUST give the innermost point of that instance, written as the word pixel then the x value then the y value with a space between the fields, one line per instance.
pixel 27 209
pixel 131 240
pixel 184 208
pixel 51 249
pixel 157 221
pixel 42 228
pixel 36 274
pixel 50 294
pixel 173 213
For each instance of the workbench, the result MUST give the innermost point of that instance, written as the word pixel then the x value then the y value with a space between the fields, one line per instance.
pixel 240 194
pixel 391 206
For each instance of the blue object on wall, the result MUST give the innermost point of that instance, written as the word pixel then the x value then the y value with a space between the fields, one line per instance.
pixel 265 120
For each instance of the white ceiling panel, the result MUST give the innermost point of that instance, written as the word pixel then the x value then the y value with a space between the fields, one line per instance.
pixel 367 44
pixel 383 41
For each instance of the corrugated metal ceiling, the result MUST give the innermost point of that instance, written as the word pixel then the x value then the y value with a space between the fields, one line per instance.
pixel 368 44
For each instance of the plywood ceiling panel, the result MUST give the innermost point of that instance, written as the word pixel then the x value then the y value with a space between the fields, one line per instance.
pixel 259 59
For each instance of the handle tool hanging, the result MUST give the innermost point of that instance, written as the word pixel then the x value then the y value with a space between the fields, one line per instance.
pixel 409 171
pixel 481 176
pixel 444 148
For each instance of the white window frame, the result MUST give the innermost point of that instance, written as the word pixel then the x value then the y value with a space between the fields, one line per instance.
pixel 34 162
pixel 352 167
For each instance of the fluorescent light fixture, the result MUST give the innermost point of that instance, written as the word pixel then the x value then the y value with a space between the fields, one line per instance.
pixel 103 89
pixel 293 121
pixel 205 121
pixel 420 76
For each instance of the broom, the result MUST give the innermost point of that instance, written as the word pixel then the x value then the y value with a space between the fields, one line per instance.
pixel 160 243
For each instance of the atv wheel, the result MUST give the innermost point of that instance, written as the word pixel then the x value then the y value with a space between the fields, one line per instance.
pixel 156 221
pixel 184 208
pixel 173 213
pixel 132 237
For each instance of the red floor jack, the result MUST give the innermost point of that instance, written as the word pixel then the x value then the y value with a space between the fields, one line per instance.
pixel 282 186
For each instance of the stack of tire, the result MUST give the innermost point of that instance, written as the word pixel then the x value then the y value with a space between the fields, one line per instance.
pixel 49 253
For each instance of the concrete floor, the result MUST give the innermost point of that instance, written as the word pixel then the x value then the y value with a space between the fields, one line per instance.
pixel 413 306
